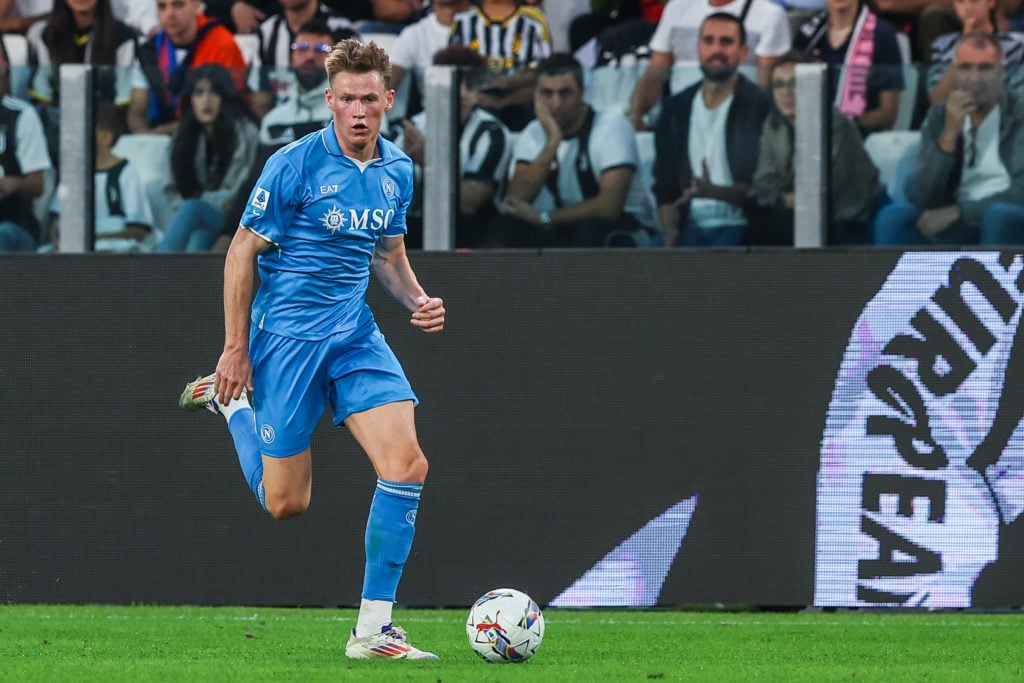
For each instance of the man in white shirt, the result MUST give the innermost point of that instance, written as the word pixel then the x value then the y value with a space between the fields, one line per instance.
pixel 675 43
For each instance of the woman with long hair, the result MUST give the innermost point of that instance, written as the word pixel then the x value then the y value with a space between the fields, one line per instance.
pixel 211 152
pixel 83 32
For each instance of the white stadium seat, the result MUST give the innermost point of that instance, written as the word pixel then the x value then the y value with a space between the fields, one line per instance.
pixel 889 150
pixel 16 46
pixel 150 155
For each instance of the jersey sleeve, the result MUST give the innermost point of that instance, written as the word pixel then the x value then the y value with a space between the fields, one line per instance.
pixel 613 144
pixel 398 226
pixel 273 200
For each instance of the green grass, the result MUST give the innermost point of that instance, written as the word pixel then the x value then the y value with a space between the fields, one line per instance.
pixel 96 643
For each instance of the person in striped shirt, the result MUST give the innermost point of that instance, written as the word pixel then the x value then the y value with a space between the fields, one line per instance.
pixel 513 36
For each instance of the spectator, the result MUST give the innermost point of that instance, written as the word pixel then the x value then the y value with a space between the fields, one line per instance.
pixel 799 12
pixel 211 153
pixel 80 32
pixel 297 116
pixel 123 218
pixel 485 147
pixel 241 16
pixel 853 185
pixel 187 39
pixel 16 16
pixel 575 181
pixel 675 43
pixel 849 35
pixel 967 186
pixel 23 162
pixel 921 20
pixel 514 37
pixel 975 15
pixel 419 42
pixel 270 76
pixel 707 143
pixel 604 14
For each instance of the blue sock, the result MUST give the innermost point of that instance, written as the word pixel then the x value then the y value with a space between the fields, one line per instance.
pixel 389 533
pixel 242 426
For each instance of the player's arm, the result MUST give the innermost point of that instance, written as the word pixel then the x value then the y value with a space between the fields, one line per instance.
pixel 391 266
pixel 234 370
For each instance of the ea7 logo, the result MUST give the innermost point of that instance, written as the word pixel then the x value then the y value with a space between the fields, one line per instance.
pixel 328 189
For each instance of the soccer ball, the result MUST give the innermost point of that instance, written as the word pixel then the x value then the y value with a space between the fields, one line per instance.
pixel 505 625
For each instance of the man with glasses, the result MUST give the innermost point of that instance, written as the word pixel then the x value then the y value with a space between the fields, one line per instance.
pixel 270 76
pixel 967 185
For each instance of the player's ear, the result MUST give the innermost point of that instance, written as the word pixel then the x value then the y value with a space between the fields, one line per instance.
pixel 389 100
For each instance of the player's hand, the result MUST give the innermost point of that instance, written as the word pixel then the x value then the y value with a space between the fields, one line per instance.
pixel 429 316
pixel 234 373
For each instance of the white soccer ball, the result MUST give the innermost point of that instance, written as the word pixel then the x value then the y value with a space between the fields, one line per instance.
pixel 505 625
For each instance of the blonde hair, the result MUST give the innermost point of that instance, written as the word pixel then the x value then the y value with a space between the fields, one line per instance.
pixel 351 56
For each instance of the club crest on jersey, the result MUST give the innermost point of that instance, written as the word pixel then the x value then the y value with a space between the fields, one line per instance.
pixel 334 220
pixel 389 188
pixel 260 199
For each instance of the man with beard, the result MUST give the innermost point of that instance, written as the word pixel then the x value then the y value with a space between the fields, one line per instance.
pixel 967 186
pixel 707 143
pixel 302 113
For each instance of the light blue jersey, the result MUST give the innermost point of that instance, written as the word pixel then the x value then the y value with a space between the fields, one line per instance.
pixel 324 217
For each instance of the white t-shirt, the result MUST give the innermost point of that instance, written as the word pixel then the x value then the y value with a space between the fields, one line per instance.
pixel 137 14
pixel 612 145
pixel 417 43
pixel 707 142
pixel 32 8
pixel 987 175
pixel 677 32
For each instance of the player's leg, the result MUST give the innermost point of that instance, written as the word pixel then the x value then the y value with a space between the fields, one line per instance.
pixel 288 484
pixel 371 395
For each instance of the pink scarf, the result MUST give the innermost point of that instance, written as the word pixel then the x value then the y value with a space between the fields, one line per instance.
pixel 852 98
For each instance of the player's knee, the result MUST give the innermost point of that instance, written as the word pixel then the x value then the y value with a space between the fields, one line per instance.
pixel 412 467
pixel 285 507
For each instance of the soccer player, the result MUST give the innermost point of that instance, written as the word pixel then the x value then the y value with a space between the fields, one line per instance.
pixel 327 210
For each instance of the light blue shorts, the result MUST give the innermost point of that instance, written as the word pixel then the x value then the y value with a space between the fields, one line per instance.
pixel 294 379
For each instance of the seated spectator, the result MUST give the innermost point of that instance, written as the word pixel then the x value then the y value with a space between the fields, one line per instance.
pixel 674 43
pixel 967 186
pixel 575 181
pixel 381 16
pixel 484 152
pixel 513 36
pixel 303 113
pixel 241 16
pixel 18 16
pixel 849 35
pixel 123 218
pixel 854 189
pixel 270 77
pixel 607 13
pixel 187 39
pixel 707 143
pixel 419 42
pixel 921 20
pixel 975 15
pixel 80 33
pixel 211 153
pixel 23 161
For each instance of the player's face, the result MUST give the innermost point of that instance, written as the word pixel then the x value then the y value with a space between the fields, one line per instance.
pixel 178 18
pixel 358 103
pixel 784 89
pixel 980 73
pixel 563 97
pixel 205 103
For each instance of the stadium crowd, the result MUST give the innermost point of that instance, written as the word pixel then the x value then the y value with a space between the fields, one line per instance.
pixel 584 123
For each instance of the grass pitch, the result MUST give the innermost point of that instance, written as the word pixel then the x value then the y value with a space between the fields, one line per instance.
pixel 97 643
